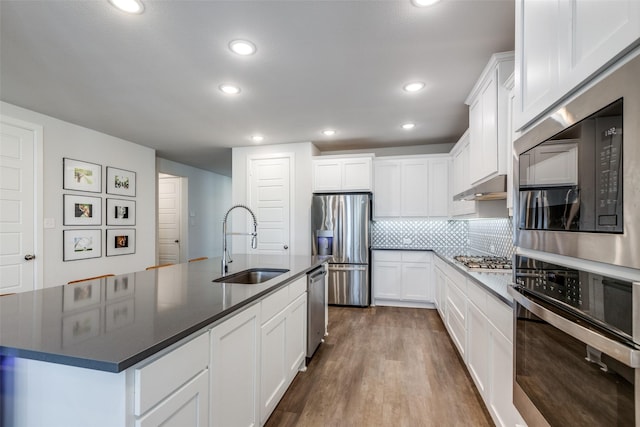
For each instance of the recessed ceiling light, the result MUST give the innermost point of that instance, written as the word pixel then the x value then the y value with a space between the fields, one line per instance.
pixel 257 138
pixel 423 3
pixel 413 86
pixel 129 6
pixel 408 126
pixel 242 47
pixel 230 89
pixel 329 132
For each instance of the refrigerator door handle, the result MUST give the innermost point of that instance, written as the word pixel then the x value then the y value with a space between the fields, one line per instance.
pixel 348 267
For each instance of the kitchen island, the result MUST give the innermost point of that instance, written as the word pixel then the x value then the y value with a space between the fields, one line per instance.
pixel 117 350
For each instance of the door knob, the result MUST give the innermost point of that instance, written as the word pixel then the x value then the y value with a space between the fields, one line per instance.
pixel 286 247
pixel 177 241
pixel 29 257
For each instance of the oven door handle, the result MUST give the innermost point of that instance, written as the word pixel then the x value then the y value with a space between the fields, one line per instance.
pixel 623 353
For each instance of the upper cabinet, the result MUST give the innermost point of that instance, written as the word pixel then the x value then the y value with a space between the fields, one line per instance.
pixel 562 44
pixel 415 186
pixel 488 132
pixel 332 173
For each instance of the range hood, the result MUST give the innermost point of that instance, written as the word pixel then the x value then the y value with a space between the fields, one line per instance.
pixel 493 189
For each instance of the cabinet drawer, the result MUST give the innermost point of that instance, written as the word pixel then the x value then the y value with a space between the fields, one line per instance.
pixel 457 302
pixel 458 279
pixel 416 256
pixel 163 376
pixel 501 315
pixel 478 296
pixel 391 256
pixel 274 303
pixel 297 288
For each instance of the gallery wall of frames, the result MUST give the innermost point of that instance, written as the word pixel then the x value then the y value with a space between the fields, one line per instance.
pixel 89 202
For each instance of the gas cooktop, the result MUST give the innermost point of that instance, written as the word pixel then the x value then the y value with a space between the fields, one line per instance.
pixel 493 264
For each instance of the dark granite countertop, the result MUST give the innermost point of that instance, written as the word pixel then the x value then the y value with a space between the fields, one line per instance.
pixel 114 323
pixel 496 283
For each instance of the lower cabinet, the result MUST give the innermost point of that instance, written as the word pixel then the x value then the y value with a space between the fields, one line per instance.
pixel 234 370
pixel 403 278
pixel 481 327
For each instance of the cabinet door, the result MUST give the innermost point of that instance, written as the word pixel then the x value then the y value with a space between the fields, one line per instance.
pixel 537 42
pixel 274 366
pixel 415 282
pixel 500 393
pixel 438 187
pixel 327 175
pixel 386 280
pixel 296 335
pixel 489 147
pixel 461 170
pixel 477 347
pixel 234 370
pixel 414 188
pixel 440 291
pixel 386 189
pixel 475 141
pixel 356 174
pixel 594 33
pixel 187 407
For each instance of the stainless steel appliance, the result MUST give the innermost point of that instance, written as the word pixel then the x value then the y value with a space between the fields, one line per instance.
pixel 481 263
pixel 577 346
pixel 315 309
pixel 577 175
pixel 340 228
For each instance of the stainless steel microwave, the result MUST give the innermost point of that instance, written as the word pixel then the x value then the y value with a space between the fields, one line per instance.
pixel 577 175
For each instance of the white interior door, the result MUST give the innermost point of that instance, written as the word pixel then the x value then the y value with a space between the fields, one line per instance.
pixel 169 220
pixel 18 147
pixel 269 197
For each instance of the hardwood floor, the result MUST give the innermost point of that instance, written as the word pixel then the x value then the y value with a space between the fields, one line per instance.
pixel 383 366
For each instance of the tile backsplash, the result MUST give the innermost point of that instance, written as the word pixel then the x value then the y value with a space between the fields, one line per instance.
pixel 490 236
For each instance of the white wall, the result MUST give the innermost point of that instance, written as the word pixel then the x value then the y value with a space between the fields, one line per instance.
pixel 300 188
pixel 63 139
pixel 209 198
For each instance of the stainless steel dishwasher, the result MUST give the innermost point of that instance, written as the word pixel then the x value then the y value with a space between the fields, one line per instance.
pixel 315 309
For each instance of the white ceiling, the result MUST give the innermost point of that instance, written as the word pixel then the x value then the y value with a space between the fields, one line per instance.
pixel 153 78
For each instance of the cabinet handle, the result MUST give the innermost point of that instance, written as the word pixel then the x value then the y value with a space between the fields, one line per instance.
pixel 286 247
pixel 177 241
pixel 29 257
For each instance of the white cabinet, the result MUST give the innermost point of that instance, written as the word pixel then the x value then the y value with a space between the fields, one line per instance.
pixel 402 278
pixel 283 343
pixel 415 186
pixel 456 311
pixel 477 347
pixel 488 120
pixel 234 370
pixel 341 174
pixel 562 44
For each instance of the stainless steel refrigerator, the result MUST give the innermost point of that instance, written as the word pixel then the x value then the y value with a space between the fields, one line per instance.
pixel 340 227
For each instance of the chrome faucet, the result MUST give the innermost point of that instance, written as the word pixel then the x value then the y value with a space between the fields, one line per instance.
pixel 226 258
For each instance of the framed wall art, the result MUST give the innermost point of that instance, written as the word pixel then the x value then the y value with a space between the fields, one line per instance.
pixel 82 244
pixel 120 181
pixel 121 212
pixel 81 176
pixel 82 210
pixel 121 241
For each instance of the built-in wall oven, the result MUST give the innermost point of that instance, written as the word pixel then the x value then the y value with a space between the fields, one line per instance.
pixel 577 269
pixel 577 175
pixel 577 346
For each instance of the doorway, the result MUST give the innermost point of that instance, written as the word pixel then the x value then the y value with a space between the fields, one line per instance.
pixel 173 231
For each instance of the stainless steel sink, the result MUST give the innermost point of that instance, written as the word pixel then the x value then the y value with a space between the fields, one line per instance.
pixel 252 276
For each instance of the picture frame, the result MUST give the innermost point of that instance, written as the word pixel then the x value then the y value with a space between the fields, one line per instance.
pixel 81 210
pixel 121 182
pixel 121 241
pixel 121 212
pixel 81 244
pixel 81 176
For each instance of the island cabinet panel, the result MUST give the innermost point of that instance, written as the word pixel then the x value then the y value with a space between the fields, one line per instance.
pixel 166 374
pixel 187 407
pixel 403 278
pixel 235 370
pixel 283 343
